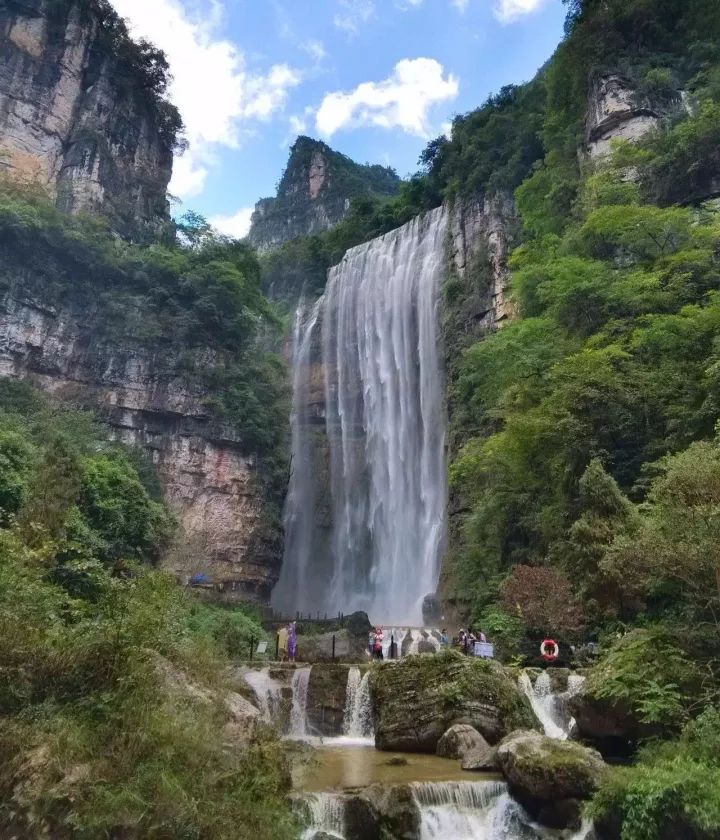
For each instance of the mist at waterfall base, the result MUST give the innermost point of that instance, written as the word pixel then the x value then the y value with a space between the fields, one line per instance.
pixel 373 342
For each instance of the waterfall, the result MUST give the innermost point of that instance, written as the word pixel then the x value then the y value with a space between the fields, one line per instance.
pixel 326 815
pixel 550 708
pixel 298 712
pixel 385 426
pixel 478 811
pixel 466 811
pixel 358 722
pixel 295 587
pixel 267 691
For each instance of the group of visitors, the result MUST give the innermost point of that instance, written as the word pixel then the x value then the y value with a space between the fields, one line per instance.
pixel 467 638
pixel 287 642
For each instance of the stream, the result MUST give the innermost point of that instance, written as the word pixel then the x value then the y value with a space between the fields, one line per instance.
pixel 452 804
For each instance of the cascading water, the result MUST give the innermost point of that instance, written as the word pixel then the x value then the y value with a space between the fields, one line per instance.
pixel 550 707
pixel 267 690
pixel 478 811
pixel 325 813
pixel 293 588
pixel 358 722
pixel 385 427
pixel 298 712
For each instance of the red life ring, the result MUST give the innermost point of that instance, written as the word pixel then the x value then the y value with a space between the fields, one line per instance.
pixel 549 650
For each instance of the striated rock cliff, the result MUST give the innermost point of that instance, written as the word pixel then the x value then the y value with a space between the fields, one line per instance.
pixel 79 114
pixel 314 193
pixel 208 476
pixel 617 110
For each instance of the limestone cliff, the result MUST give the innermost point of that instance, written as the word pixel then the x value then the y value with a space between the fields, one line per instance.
pixel 618 111
pixel 208 475
pixel 314 193
pixel 78 112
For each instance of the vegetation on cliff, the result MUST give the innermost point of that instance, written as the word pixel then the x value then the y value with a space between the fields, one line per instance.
pixel 198 305
pixel 113 690
pixel 590 422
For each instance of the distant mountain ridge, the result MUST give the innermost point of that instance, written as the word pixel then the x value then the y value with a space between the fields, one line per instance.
pixel 315 193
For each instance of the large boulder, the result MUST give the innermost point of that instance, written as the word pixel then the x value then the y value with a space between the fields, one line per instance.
pixel 459 740
pixel 609 726
pixel 548 776
pixel 416 700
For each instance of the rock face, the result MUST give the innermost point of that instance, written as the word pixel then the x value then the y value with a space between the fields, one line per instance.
pixel 208 477
pixel 326 699
pixel 617 111
pixel 483 232
pixel 315 193
pixel 608 726
pixel 76 116
pixel 548 777
pixel 416 700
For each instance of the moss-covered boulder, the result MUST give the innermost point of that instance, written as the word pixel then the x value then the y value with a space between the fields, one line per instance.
pixel 543 773
pixel 416 700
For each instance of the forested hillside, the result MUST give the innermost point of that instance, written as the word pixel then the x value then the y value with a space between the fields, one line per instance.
pixel 591 465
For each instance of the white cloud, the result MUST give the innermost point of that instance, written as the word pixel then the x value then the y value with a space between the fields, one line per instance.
pixel 353 14
pixel 508 11
pixel 401 101
pixel 211 84
pixel 446 129
pixel 460 5
pixel 404 5
pixel 314 49
pixel 236 225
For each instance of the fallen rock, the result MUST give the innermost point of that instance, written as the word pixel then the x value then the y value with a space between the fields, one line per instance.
pixel 459 740
pixel 416 700
pixel 480 759
pixel 544 773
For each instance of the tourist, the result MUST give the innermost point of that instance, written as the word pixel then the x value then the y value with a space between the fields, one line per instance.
pixel 444 640
pixel 292 641
pixel 377 644
pixel 283 634
pixel 481 636
pixel 371 643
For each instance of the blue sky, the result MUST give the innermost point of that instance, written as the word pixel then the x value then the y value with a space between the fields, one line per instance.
pixel 376 79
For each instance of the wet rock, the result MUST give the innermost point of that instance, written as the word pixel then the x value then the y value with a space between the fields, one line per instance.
pixel 327 690
pixel 565 813
pixel 398 815
pixel 459 740
pixel 543 772
pixel 416 700
pixel 361 818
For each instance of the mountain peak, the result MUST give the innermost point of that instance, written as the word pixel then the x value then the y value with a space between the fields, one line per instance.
pixel 315 193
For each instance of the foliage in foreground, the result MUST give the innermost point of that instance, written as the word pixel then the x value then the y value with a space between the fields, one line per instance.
pixel 673 789
pixel 112 719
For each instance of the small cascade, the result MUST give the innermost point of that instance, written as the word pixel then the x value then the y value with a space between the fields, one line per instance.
pixel 550 708
pixel 325 814
pixel 479 811
pixel 267 690
pixel 462 810
pixel 298 712
pixel 358 721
